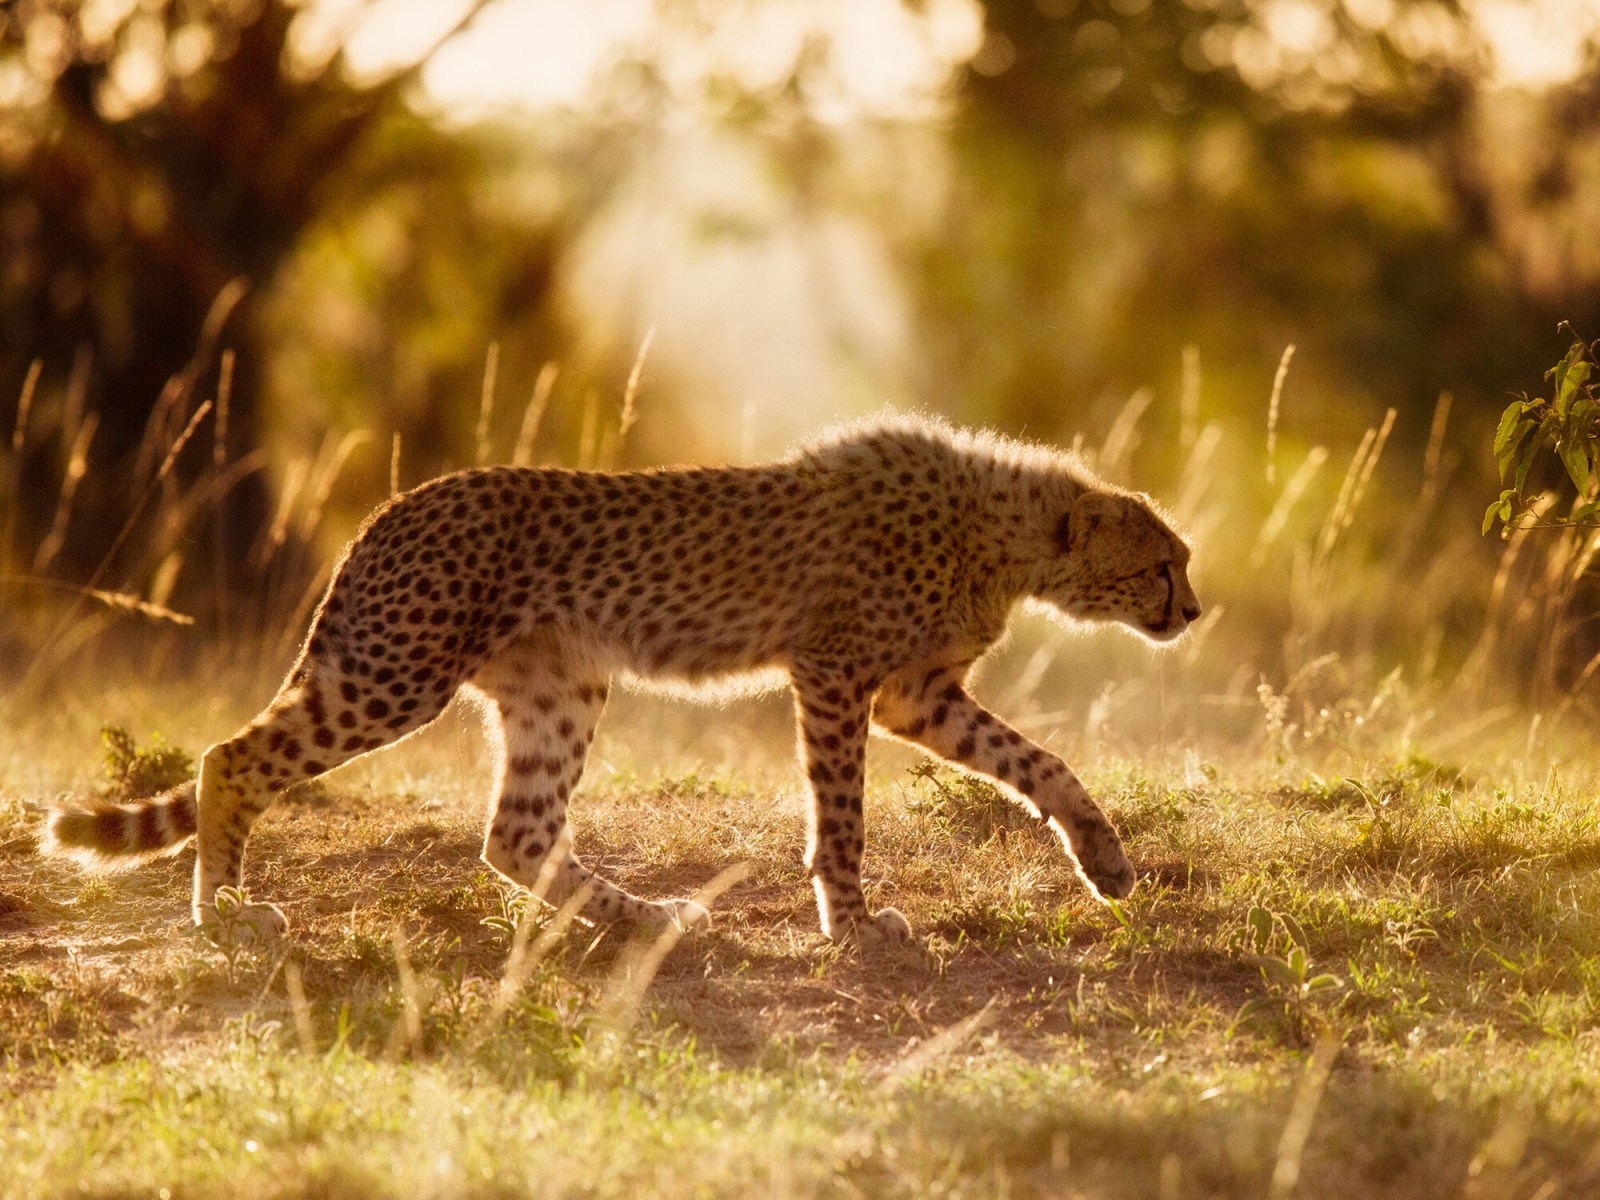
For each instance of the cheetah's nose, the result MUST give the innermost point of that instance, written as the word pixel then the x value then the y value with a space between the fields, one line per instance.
pixel 1191 611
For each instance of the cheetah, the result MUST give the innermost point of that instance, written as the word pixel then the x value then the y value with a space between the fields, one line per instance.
pixel 874 565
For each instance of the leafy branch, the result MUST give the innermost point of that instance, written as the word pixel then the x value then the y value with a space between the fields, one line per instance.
pixel 1568 423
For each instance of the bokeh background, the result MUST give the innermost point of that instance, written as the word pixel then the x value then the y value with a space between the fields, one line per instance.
pixel 1278 262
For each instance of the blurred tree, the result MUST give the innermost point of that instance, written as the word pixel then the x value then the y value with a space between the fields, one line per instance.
pixel 1238 174
pixel 150 156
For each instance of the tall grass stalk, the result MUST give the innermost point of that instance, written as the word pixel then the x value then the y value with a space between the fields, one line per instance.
pixel 1350 490
pixel 1272 528
pixel 299 1007
pixel 1272 412
pixel 528 949
pixel 528 434
pixel 630 394
pixel 1436 469
pixel 272 539
pixel 938 1047
pixel 619 1007
pixel 19 427
pixel 1123 436
pixel 405 1036
pixel 1367 468
pixel 43 658
pixel 482 448
pixel 1302 1114
pixel 77 466
pixel 1199 472
pixel 1189 400
pixel 219 509
pixel 589 432
pixel 19 441
pixel 157 434
pixel 1475 672
pixel 330 464
pixel 117 601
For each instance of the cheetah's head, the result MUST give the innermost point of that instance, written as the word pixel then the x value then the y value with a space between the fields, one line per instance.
pixel 1116 560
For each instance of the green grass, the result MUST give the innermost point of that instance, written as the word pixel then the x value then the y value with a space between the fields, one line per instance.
pixel 1381 977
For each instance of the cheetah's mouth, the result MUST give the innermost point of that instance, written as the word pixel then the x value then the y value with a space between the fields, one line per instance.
pixel 1170 625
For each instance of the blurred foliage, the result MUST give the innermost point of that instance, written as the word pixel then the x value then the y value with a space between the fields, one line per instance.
pixel 132 772
pixel 153 155
pixel 1141 176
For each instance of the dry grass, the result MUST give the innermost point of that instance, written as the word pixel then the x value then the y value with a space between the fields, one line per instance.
pixel 1035 1043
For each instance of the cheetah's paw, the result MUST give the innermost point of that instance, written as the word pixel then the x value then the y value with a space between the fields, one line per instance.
pixel 884 928
pixel 230 925
pixel 686 915
pixel 1110 873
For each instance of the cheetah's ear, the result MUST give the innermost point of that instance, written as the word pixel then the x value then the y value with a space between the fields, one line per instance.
pixel 1089 512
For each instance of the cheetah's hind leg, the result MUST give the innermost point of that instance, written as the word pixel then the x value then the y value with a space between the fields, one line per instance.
pixel 320 719
pixel 548 703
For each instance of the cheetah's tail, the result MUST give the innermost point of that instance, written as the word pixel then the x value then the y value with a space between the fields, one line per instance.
pixel 111 836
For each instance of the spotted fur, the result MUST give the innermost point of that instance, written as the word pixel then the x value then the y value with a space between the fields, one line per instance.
pixel 874 566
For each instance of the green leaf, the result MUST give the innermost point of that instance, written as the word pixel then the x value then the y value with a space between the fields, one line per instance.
pixel 1116 911
pixel 1577 373
pixel 1558 375
pixel 1527 461
pixel 1506 963
pixel 1509 441
pixel 1575 457
pixel 1298 964
pixel 1277 971
pixel 1585 512
pixel 1508 422
pixel 1259 1004
pixel 1297 934
pixel 1259 925
pixel 1501 509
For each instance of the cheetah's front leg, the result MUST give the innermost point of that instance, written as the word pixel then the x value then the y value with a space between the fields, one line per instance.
pixel 833 715
pixel 928 705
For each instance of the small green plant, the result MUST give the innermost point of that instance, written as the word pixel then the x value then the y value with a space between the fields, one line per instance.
pixel 515 905
pixel 1567 423
pixel 1277 945
pixel 231 933
pixel 131 773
